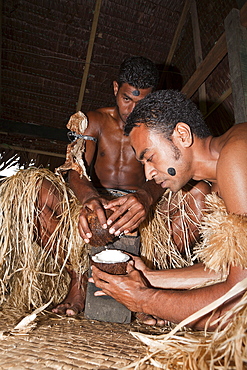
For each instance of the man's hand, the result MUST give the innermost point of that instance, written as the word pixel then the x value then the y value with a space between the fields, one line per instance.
pixel 127 289
pixel 131 209
pixel 140 266
pixel 97 205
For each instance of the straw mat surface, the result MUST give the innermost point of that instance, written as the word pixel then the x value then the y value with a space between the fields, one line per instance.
pixel 71 343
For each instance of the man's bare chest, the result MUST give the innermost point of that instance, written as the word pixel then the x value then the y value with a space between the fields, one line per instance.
pixel 115 145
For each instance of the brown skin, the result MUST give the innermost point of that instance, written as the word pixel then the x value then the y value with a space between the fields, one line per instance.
pixel 114 165
pixel 111 164
pixel 221 160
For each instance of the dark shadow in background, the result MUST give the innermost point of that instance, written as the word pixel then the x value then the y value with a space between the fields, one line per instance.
pixel 219 121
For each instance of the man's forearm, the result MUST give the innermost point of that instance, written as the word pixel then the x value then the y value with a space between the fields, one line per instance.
pixel 82 187
pixel 177 305
pixel 185 278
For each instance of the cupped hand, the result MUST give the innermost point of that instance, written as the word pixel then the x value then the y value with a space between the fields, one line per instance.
pixel 127 289
pixel 140 265
pixel 95 204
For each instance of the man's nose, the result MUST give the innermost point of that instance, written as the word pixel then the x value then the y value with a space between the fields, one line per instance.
pixel 131 106
pixel 150 171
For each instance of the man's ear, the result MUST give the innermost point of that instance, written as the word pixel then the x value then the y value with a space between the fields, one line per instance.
pixel 115 87
pixel 182 133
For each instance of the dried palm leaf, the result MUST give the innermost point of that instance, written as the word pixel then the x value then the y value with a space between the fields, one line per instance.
pixel 29 274
pixel 158 247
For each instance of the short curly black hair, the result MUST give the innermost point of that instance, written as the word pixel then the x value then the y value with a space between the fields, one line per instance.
pixel 160 111
pixel 138 72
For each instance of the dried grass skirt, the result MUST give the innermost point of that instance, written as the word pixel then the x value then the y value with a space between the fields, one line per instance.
pixel 31 275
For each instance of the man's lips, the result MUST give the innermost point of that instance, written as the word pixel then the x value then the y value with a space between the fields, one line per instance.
pixel 161 183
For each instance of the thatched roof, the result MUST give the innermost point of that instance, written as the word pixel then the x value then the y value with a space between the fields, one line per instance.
pixel 59 56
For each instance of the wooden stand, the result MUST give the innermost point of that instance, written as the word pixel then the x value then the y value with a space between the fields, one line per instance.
pixel 106 308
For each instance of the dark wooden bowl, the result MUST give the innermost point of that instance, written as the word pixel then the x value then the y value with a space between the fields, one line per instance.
pixel 100 237
pixel 114 268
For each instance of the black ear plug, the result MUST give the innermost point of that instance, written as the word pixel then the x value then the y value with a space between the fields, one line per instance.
pixel 171 171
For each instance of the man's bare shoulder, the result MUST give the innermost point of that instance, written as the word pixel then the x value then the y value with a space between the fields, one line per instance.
pixel 231 169
pixel 99 120
pixel 234 138
pixel 236 132
pixel 101 115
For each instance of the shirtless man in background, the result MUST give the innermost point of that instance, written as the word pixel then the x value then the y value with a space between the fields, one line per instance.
pixel 173 143
pixel 111 164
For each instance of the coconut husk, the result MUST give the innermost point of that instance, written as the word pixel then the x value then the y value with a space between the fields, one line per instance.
pixel 100 237
pixel 30 275
pixel 113 268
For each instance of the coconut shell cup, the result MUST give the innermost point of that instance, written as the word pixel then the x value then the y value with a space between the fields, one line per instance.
pixel 113 268
pixel 100 237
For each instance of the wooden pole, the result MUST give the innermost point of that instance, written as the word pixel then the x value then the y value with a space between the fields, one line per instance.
pixel 175 40
pixel 178 31
pixel 89 54
pixel 218 102
pixel 198 55
pixel 213 58
pixel 236 37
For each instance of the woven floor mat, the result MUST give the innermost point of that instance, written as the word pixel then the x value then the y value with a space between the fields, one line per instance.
pixel 72 343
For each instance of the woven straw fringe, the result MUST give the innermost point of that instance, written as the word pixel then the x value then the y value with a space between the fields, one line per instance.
pixel 30 275
pixel 158 249
pixel 224 237
pixel 224 243
pixel 223 349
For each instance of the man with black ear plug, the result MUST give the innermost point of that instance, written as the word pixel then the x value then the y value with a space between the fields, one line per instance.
pixel 167 132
